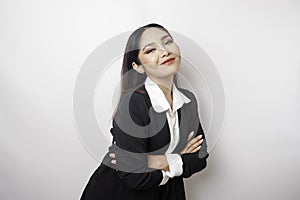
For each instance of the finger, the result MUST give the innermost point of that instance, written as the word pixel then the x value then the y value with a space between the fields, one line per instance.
pixel 184 150
pixel 196 139
pixel 193 141
pixel 199 136
pixel 190 142
pixel 112 155
pixel 113 161
pixel 197 149
pixel 195 145
pixel 190 136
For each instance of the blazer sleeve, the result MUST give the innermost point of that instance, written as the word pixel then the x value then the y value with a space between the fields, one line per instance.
pixel 195 162
pixel 129 132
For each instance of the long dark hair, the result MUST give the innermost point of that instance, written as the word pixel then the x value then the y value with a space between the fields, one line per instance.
pixel 130 79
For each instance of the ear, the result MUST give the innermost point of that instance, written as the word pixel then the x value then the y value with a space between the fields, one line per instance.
pixel 139 68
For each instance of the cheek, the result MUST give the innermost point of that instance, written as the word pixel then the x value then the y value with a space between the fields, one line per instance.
pixel 176 50
pixel 150 60
pixel 154 59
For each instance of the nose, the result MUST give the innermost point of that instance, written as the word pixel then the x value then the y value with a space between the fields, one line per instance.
pixel 164 51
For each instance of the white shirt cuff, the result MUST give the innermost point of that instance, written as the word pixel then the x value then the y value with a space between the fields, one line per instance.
pixel 175 165
pixel 165 178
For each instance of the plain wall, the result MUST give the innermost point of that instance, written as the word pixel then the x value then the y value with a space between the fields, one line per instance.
pixel 254 45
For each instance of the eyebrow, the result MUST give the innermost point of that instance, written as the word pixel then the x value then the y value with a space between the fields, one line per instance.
pixel 162 38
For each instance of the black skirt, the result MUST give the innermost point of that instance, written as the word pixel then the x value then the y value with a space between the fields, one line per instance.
pixel 104 184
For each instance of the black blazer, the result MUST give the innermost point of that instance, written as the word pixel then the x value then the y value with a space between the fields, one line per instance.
pixel 138 131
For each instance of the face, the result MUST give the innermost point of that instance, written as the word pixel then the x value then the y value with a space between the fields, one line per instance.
pixel 157 47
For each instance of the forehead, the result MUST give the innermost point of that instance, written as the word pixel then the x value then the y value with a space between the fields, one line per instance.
pixel 152 35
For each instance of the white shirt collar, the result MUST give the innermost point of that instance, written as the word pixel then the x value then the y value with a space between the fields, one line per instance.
pixel 158 99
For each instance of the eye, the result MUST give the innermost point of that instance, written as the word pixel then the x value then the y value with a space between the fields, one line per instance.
pixel 149 51
pixel 169 41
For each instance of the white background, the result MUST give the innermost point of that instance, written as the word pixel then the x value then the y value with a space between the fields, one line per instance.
pixel 255 46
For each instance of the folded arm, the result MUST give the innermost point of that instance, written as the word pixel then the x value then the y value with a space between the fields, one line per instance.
pixel 195 162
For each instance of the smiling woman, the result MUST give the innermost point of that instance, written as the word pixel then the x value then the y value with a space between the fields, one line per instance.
pixel 157 135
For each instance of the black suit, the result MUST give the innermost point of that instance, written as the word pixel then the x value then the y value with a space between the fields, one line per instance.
pixel 131 179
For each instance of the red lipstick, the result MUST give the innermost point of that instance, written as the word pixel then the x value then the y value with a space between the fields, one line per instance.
pixel 168 61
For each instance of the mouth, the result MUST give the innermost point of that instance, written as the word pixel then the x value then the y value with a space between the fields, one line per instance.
pixel 169 61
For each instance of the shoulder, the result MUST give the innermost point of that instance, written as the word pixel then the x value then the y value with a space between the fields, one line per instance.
pixel 137 99
pixel 136 105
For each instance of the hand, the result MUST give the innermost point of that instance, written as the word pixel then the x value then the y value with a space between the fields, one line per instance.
pixel 193 145
pixel 158 162
pixel 113 155
pixel 154 161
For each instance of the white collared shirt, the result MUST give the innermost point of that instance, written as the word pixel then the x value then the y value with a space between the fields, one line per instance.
pixel 161 104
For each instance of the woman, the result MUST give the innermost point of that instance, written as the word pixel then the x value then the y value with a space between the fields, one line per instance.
pixel 157 136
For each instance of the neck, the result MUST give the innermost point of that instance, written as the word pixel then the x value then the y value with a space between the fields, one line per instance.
pixel 166 86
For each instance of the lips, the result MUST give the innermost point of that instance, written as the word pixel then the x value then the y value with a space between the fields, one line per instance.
pixel 168 60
